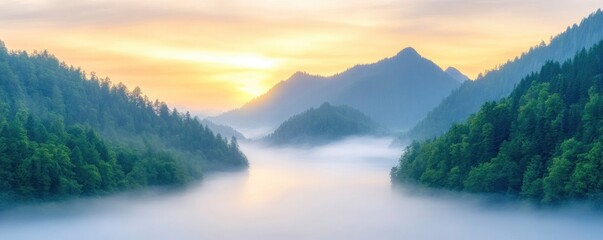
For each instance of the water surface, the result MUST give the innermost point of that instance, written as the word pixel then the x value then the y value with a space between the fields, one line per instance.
pixel 340 191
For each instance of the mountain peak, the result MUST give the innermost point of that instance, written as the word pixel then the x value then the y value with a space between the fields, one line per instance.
pixel 396 92
pixel 408 52
pixel 299 74
pixel 456 74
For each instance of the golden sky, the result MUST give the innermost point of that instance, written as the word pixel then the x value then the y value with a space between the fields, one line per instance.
pixel 214 55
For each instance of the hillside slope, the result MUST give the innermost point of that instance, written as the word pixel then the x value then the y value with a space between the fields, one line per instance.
pixel 544 142
pixel 66 134
pixel 499 83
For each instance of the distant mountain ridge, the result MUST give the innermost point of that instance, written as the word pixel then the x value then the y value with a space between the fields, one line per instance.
pixel 499 83
pixel 324 124
pixel 224 131
pixel 396 92
pixel 456 74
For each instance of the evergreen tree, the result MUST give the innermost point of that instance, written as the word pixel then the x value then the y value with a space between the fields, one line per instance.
pixel 543 142
pixel 67 133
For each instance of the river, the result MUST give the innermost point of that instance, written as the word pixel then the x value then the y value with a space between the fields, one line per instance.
pixel 339 191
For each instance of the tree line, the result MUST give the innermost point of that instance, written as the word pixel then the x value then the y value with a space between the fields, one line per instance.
pixel 544 142
pixel 500 81
pixel 65 132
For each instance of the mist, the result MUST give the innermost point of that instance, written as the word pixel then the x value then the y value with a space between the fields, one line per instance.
pixel 337 191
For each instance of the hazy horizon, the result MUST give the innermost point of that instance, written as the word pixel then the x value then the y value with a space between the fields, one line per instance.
pixel 224 53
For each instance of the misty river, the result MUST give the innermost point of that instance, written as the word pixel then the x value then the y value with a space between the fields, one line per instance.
pixel 339 191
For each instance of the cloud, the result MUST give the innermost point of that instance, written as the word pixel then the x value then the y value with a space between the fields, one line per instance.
pixel 250 45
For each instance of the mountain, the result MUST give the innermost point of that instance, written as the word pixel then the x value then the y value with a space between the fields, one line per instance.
pixel 456 74
pixel 322 125
pixel 396 92
pixel 223 130
pixel 544 142
pixel 66 133
pixel 499 82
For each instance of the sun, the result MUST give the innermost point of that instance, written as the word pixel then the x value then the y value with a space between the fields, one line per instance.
pixel 235 60
pixel 247 71
pixel 249 83
pixel 253 90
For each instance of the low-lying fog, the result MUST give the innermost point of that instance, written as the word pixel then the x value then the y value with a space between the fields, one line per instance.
pixel 340 191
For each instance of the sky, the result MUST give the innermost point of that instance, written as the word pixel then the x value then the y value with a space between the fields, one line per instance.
pixel 210 56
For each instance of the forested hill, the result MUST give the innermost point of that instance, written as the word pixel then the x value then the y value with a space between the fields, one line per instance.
pixel 67 134
pixel 544 142
pixel 324 124
pixel 499 82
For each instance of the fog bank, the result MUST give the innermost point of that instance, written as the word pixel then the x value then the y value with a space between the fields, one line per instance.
pixel 339 191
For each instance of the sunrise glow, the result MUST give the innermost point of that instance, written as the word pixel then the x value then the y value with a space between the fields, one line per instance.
pixel 224 53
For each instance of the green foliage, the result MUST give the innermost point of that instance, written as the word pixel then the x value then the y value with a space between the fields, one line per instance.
pixel 324 124
pixel 498 175
pixel 77 162
pixel 64 132
pixel 499 82
pixel 544 142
